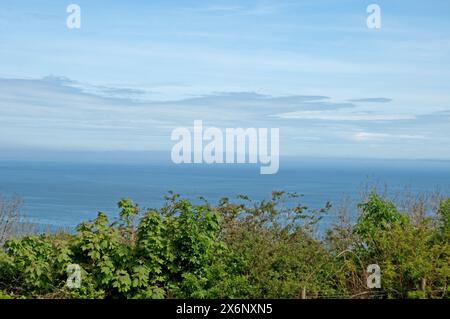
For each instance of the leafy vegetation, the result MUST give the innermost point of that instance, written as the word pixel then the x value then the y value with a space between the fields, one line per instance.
pixel 240 249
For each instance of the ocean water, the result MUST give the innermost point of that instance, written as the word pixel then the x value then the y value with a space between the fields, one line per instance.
pixel 64 193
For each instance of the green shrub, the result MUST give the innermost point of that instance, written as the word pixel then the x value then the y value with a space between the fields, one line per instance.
pixel 243 249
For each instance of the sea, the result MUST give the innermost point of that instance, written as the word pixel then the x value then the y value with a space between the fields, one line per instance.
pixel 65 193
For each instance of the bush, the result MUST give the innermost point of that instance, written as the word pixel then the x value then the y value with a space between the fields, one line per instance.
pixel 413 262
pixel 242 249
pixel 9 217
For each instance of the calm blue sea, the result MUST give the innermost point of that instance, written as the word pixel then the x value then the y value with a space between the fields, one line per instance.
pixel 63 193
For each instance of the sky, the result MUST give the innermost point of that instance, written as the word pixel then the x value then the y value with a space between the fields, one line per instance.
pixel 136 70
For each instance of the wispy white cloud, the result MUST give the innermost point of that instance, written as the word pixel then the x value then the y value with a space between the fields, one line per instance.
pixel 370 136
pixel 336 116
pixel 63 114
pixel 254 8
pixel 217 8
pixel 372 100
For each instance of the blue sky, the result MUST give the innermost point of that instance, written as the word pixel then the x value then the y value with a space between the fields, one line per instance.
pixel 137 69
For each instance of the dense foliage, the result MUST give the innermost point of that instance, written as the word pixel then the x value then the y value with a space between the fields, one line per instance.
pixel 241 249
